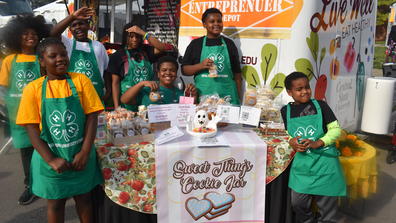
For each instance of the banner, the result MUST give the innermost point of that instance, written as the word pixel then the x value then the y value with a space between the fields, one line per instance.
pixel 212 184
pixel 243 18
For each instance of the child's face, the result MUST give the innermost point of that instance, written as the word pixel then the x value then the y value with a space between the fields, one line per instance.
pixel 79 29
pixel 167 73
pixel 55 60
pixel 134 40
pixel 29 39
pixel 213 24
pixel 300 91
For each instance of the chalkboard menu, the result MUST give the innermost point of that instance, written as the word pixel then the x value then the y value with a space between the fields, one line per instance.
pixel 163 19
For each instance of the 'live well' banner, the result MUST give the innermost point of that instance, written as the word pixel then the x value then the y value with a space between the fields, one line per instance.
pixel 212 184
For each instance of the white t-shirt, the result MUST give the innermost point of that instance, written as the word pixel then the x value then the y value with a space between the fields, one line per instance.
pixel 100 52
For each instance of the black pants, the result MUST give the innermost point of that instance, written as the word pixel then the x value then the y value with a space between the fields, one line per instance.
pixel 302 205
pixel 26 157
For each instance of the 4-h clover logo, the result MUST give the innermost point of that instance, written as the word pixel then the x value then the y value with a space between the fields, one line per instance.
pixel 23 78
pixel 63 125
pixel 141 74
pixel 305 132
pixel 84 67
pixel 218 59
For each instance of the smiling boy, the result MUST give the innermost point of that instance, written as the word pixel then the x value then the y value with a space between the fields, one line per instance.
pixel 213 60
pixel 86 56
pixel 315 174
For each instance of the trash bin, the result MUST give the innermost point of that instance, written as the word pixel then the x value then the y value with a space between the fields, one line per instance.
pixel 389 70
pixel 378 104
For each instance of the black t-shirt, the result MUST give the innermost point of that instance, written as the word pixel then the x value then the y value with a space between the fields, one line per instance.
pixel 194 49
pixel 309 109
pixel 118 63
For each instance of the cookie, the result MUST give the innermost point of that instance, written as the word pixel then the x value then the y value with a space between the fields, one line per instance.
pixel 219 200
pixel 216 211
pixel 210 216
pixel 197 208
pixel 154 96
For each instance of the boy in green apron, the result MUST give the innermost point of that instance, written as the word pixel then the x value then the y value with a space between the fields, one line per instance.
pixel 149 92
pixel 315 174
pixel 59 112
pixel 21 36
pixel 133 63
pixel 214 53
pixel 87 56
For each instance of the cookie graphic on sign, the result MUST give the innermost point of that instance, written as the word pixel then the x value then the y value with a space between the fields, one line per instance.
pixel 197 208
pixel 221 204
pixel 212 206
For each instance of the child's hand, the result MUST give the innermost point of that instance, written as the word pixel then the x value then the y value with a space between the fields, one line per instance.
pixel 83 13
pixel 207 63
pixel 151 84
pixel 136 29
pixel 80 160
pixel 59 165
pixel 191 91
pixel 312 144
pixel 299 147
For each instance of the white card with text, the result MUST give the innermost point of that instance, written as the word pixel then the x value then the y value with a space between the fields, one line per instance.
pixel 249 115
pixel 230 114
pixel 168 135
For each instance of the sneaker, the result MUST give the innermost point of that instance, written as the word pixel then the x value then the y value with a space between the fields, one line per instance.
pixel 26 197
pixel 391 158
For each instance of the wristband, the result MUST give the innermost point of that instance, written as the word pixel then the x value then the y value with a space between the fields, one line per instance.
pixel 145 36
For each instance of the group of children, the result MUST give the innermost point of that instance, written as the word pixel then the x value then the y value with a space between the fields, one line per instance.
pixel 63 86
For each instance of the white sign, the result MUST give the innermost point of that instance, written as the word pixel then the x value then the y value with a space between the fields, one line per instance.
pixel 168 135
pixel 249 115
pixel 230 114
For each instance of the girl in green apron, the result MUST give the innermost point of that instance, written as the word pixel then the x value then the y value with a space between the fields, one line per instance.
pixel 316 173
pixel 60 113
pixel 149 92
pixel 216 69
pixel 87 56
pixel 133 63
pixel 21 36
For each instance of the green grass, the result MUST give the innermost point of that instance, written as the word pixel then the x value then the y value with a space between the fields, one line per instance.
pixel 379 54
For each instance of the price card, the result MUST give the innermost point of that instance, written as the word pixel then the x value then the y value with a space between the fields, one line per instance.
pixel 168 135
pixel 249 115
pixel 161 113
pixel 183 111
pixel 230 114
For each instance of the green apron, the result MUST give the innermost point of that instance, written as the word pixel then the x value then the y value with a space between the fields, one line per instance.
pixel 168 96
pixel 137 72
pixel 21 74
pixel 85 63
pixel 315 171
pixel 224 84
pixel 63 125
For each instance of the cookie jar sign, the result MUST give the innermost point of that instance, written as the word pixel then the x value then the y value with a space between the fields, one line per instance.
pixel 218 184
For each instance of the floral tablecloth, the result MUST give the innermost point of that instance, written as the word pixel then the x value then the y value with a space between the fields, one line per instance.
pixel 129 171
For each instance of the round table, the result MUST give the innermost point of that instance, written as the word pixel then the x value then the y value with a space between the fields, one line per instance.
pixel 361 173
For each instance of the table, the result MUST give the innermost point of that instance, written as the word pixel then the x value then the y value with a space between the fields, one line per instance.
pixel 141 157
pixel 361 173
